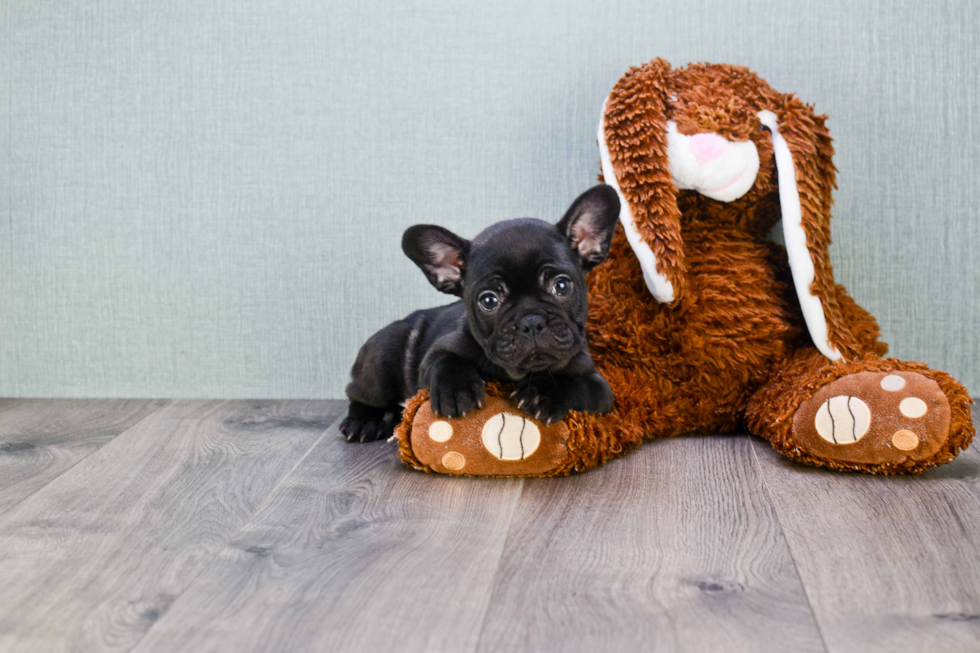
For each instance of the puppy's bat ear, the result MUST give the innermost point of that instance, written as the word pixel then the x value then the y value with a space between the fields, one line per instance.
pixel 589 224
pixel 440 253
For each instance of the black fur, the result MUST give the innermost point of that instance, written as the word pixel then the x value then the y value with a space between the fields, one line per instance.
pixel 532 333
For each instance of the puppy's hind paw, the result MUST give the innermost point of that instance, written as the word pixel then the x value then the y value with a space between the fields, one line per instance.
pixel 356 430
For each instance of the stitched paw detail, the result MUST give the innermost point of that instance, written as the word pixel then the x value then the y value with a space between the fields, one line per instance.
pixel 842 419
pixel 510 437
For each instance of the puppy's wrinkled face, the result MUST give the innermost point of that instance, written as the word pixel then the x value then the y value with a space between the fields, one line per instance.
pixel 525 296
pixel 523 281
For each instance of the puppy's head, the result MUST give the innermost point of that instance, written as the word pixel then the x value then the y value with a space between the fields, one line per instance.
pixel 523 281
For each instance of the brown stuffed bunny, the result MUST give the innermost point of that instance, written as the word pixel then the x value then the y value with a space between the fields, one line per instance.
pixel 699 322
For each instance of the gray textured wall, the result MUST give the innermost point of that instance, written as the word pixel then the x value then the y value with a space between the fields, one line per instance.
pixel 205 198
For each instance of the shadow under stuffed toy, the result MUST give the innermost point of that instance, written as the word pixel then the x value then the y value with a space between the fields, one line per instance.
pixel 700 323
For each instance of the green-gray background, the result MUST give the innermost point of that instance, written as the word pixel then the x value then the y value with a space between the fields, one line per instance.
pixel 205 198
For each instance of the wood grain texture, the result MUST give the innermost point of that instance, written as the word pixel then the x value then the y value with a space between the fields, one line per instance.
pixel 353 552
pixel 252 526
pixel 889 564
pixel 93 559
pixel 673 548
pixel 41 438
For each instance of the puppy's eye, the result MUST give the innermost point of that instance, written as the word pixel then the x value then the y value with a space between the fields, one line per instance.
pixel 488 301
pixel 561 285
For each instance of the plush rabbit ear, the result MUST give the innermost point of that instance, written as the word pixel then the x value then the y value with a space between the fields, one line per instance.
pixel 805 171
pixel 633 148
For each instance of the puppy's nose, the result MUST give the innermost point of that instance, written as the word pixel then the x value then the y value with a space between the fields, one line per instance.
pixel 532 325
pixel 707 147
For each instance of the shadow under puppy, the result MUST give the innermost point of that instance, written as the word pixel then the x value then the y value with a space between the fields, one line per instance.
pixel 521 319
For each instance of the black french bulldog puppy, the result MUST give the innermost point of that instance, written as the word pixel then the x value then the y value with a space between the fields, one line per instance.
pixel 521 319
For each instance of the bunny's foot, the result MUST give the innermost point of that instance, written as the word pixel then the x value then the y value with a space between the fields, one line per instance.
pixel 874 415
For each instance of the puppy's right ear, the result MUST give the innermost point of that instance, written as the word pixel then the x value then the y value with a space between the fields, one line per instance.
pixel 440 253
pixel 589 224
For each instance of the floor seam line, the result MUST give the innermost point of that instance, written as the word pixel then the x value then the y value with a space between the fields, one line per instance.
pixel 500 557
pixel 789 547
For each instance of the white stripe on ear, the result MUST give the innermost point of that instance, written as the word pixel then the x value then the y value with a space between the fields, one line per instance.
pixel 659 286
pixel 799 256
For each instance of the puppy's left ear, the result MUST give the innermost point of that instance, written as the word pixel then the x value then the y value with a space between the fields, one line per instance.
pixel 589 224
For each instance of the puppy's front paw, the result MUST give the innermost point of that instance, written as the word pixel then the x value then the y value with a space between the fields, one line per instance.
pixel 545 403
pixel 457 392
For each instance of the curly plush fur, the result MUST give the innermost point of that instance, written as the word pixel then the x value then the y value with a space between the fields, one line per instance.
pixel 731 351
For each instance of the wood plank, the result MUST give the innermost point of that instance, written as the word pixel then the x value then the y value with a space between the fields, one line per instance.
pixel 674 547
pixel 41 438
pixel 889 563
pixel 94 558
pixel 353 552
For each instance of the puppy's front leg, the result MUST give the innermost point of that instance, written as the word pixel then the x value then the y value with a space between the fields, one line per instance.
pixel 455 385
pixel 591 394
pixel 549 396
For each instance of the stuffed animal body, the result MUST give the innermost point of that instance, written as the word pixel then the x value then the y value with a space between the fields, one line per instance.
pixel 699 322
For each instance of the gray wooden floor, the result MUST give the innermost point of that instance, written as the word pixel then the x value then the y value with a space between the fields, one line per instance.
pixel 252 526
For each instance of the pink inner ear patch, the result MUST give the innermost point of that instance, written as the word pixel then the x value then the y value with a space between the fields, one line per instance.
pixel 446 264
pixel 445 256
pixel 586 242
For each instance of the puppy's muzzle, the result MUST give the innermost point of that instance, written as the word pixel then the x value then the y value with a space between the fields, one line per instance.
pixel 533 326
pixel 534 342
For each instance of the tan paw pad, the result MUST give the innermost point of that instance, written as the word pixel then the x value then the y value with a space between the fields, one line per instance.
pixel 440 431
pixel 905 440
pixel 454 460
pixel 892 383
pixel 913 407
